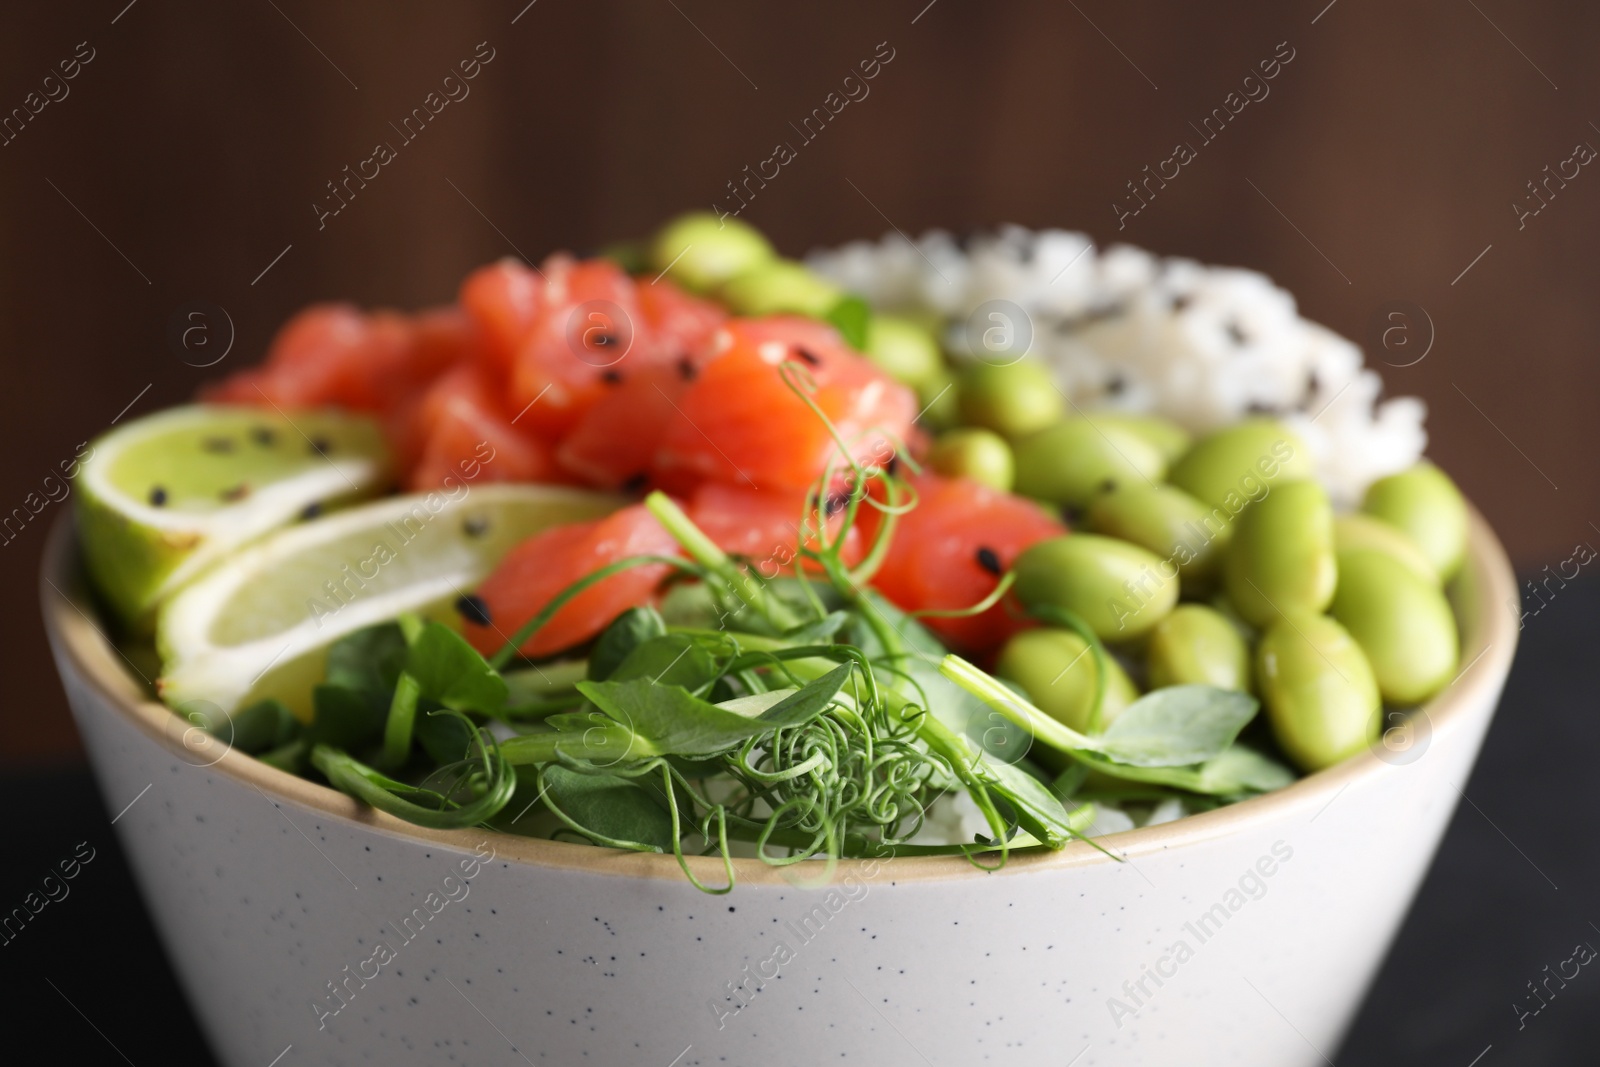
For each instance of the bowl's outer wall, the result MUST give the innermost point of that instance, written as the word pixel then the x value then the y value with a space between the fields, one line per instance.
pixel 266 902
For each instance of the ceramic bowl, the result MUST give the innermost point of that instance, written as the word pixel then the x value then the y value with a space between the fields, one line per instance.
pixel 307 926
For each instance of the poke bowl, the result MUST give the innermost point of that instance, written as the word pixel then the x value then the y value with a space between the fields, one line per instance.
pixel 721 690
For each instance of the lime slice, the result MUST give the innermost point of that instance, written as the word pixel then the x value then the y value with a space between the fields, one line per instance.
pixel 165 496
pixel 259 623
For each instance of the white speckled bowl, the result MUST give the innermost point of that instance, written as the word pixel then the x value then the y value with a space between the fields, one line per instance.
pixel 1242 936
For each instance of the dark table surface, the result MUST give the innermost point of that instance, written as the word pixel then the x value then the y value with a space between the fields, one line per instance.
pixel 1513 890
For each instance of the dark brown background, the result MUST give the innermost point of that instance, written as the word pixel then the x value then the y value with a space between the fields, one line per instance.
pixel 197 139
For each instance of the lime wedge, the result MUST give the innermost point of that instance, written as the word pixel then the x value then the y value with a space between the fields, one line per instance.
pixel 258 624
pixel 165 496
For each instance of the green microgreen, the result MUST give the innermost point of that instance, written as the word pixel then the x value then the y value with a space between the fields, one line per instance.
pixel 800 715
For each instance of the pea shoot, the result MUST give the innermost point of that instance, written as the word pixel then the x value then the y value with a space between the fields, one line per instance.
pixel 803 716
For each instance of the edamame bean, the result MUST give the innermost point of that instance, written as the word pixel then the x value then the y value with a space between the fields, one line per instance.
pixel 701 251
pixel 1119 590
pixel 1056 669
pixel 1281 560
pixel 981 455
pixel 1167 521
pixel 1321 697
pixel 1074 461
pixel 1402 622
pixel 1170 439
pixel 781 285
pixel 1012 399
pixel 903 350
pixel 1363 531
pixel 1426 505
pixel 1197 646
pixel 938 399
pixel 1236 465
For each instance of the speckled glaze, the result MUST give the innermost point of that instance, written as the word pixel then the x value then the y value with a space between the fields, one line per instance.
pixel 1243 936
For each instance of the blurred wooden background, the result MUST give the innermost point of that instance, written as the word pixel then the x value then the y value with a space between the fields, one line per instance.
pixel 187 153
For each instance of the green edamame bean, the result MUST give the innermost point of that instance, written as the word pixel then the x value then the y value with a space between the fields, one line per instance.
pixel 1402 622
pixel 1012 399
pixel 1167 521
pixel 1321 697
pixel 1074 461
pixel 1170 439
pixel 1363 531
pixel 903 350
pixel 1426 505
pixel 981 455
pixel 1281 560
pixel 1197 646
pixel 1235 465
pixel 701 251
pixel 1118 589
pixel 939 400
pixel 1056 669
pixel 781 285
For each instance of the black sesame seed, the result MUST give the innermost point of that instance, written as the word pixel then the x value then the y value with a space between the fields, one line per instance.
pixel 1071 515
pixel 836 503
pixel 1181 301
pixel 311 510
pixel 635 483
pixel 1238 335
pixel 988 560
pixel 472 608
pixel 612 377
pixel 476 526
pixel 1108 485
pixel 217 444
pixel 1258 408
pixel 320 445
pixel 1116 385
pixel 263 435
pixel 893 466
pixel 158 496
pixel 601 340
pixel 808 355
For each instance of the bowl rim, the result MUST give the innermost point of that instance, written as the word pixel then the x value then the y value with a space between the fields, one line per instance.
pixel 1489 639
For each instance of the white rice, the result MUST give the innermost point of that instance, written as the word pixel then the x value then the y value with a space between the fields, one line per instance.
pixel 1122 329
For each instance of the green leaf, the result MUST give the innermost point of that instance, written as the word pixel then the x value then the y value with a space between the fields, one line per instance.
pixel 1237 771
pixel 547 687
pixel 670 719
pixel 444 737
pixel 1177 726
pixel 752 706
pixel 451 672
pixel 627 632
pixel 783 708
pixel 809 701
pixel 1241 769
pixel 675 659
pixel 264 725
pixel 345 718
pixel 1037 809
pixel 587 735
pixel 614 811
pixel 1171 727
pixel 850 317
pixel 368 660
pixel 818 631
